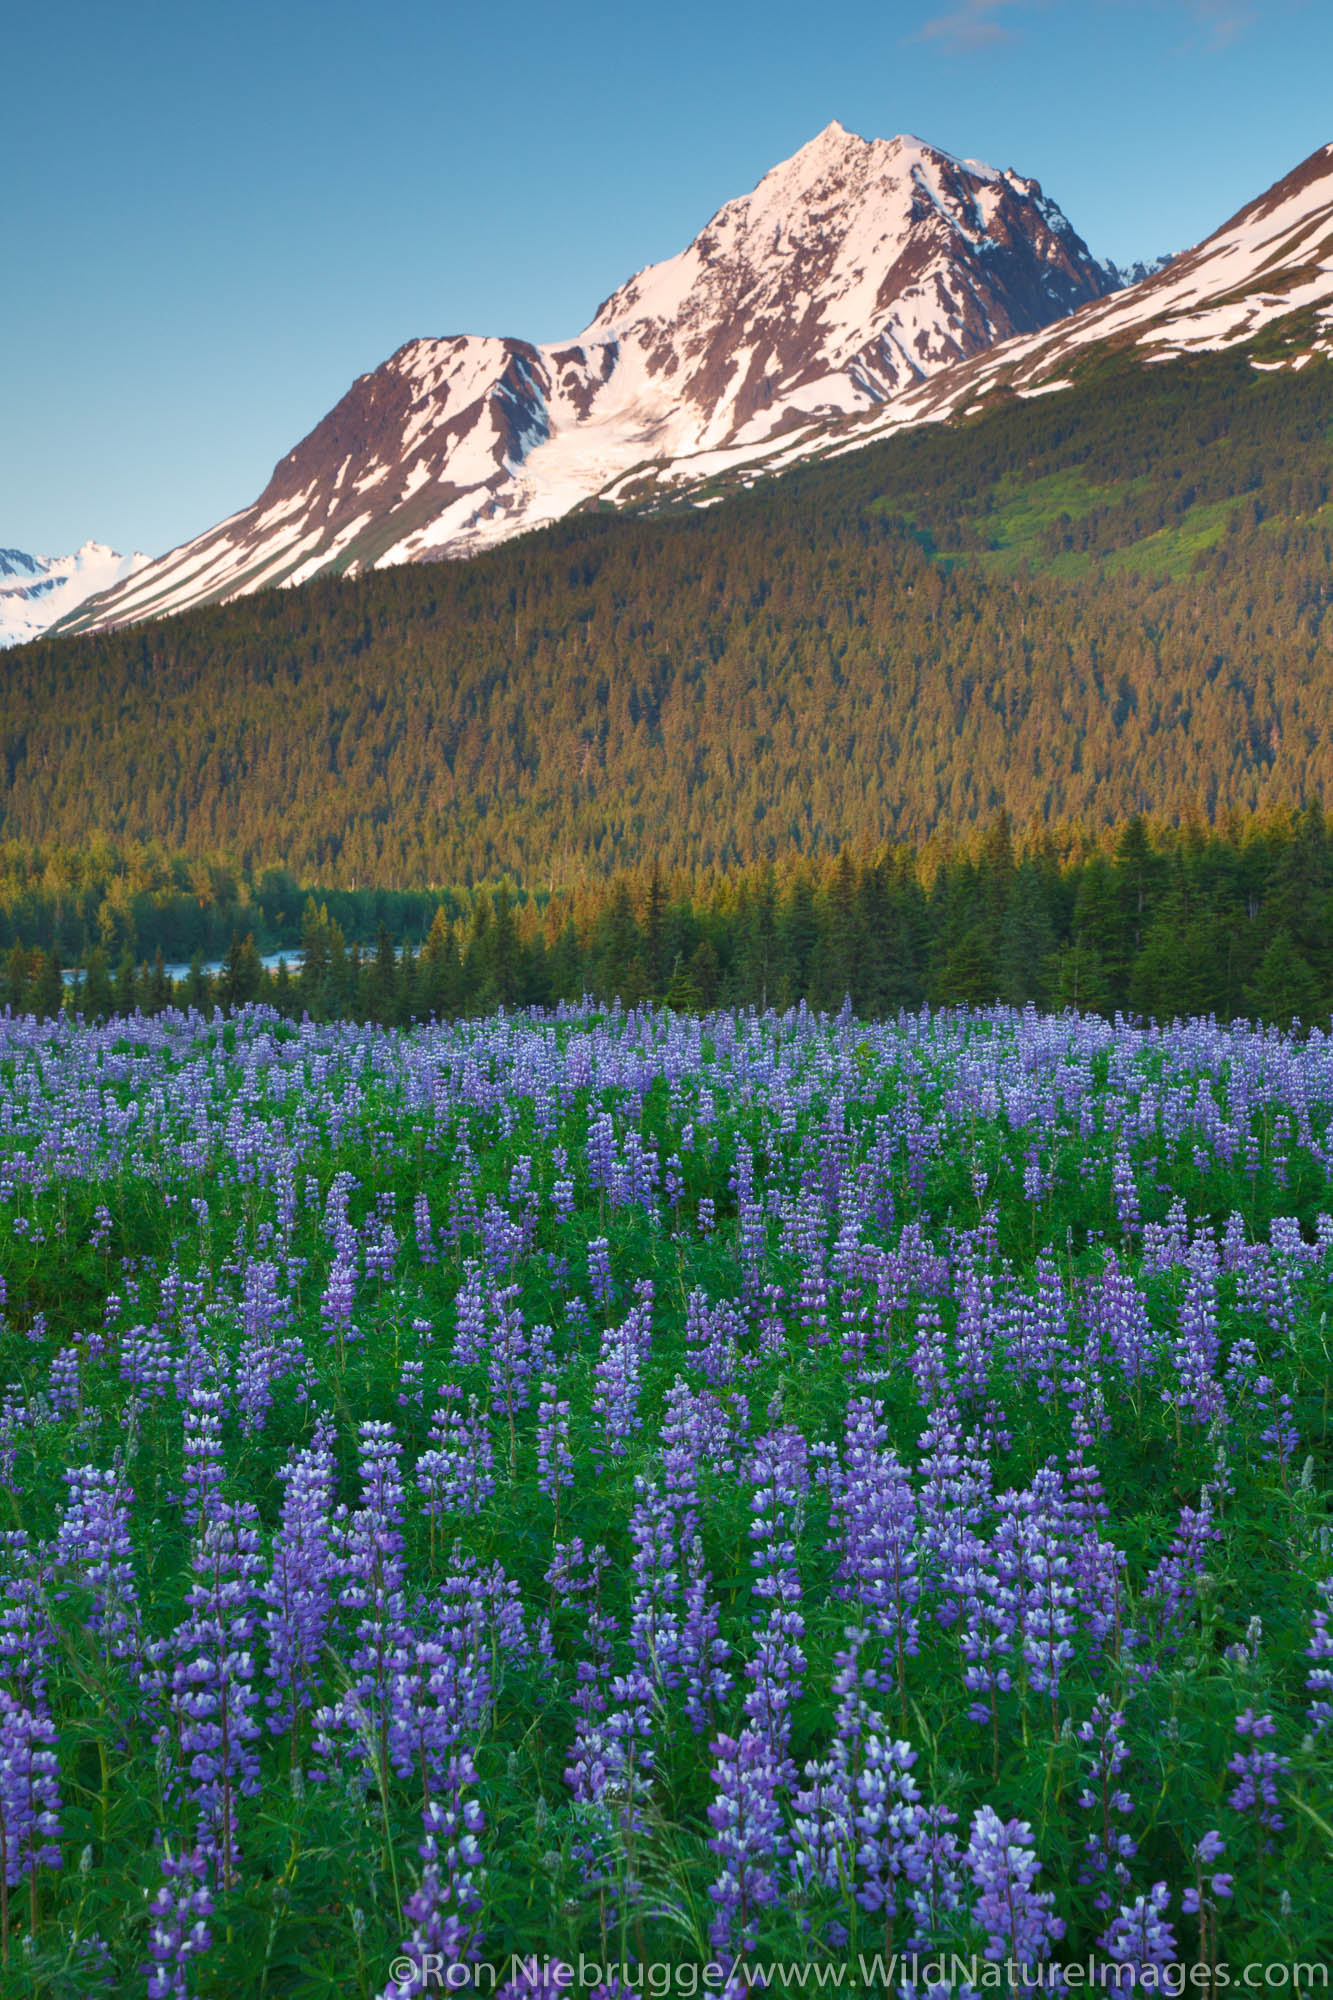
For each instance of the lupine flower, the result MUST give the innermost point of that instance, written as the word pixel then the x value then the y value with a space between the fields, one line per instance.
pixel 93 1546
pixel 442 1908
pixel 210 1691
pixel 1108 1848
pixel 1257 1772
pixel 1019 1921
pixel 456 1474
pixel 1140 1939
pixel 179 1931
pixel 747 1838
pixel 877 1515
pixel 775 1670
pixel 619 1373
pixel 1320 1650
pixel 297 1592
pixel 29 1799
pixel 202 1448
pixel 555 1460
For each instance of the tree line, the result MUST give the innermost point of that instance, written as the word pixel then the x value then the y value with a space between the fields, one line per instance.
pixel 1153 920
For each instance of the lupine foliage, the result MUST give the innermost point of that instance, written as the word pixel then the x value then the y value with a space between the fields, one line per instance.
pixel 762 1486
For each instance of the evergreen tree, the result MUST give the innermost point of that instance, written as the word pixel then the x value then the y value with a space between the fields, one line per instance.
pixel 125 996
pixel 1027 938
pixel 95 995
pixel 617 942
pixel 198 986
pixel 1285 989
pixel 654 934
pixel 158 996
pixel 48 985
pixel 384 982
pixel 505 952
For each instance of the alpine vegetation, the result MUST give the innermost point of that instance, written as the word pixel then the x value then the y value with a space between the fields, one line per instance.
pixel 734 1493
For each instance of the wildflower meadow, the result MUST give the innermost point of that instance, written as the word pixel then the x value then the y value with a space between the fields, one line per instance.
pixel 741 1493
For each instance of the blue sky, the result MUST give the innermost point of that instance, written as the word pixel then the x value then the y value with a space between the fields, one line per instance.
pixel 219 216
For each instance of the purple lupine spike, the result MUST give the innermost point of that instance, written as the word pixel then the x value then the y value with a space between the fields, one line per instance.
pixel 470 1331
pixel 1197 1392
pixel 713 1335
pixel 1279 1432
pixel 1320 1649
pixel 202 1448
pixel 369 1547
pixel 954 1495
pixel 780 1471
pixel 600 1282
pixel 178 1931
pixel 1257 1773
pixel 1140 1940
pixel 1108 1848
pixel 93 1546
pixel 1116 1307
pixel 612 1758
pixel 211 1693
pixel 456 1473
pixel 27 1632
pixel 859 1805
pixel 1046 1614
pixel 575 1575
pixel 424 1230
pixel 986 1641
pixel 747 1837
pixel 555 1460
pixel 701 1653
pixel 877 1513
pixel 1018 1920
pixel 29 1800
pixel 1125 1195
pixel 297 1593
pixel 618 1376
pixel 1170 1587
pixel 654 1628
pixel 929 1357
pixel 442 1909
pixel 934 1869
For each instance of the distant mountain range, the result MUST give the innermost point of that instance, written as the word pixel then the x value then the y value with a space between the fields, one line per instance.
pixel 37 590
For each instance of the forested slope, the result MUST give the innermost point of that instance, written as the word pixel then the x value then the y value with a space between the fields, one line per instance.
pixel 1074 608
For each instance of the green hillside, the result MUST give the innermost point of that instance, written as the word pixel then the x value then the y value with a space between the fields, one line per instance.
pixel 1074 608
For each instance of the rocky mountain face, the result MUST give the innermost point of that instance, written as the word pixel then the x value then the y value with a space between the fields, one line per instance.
pixel 855 271
pixel 35 591
pixel 1264 278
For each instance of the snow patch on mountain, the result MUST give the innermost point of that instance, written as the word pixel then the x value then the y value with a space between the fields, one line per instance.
pixel 37 590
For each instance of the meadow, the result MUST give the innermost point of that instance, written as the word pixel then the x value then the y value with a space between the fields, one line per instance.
pixel 747 1496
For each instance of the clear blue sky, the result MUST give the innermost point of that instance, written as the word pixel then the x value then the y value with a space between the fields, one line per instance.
pixel 218 216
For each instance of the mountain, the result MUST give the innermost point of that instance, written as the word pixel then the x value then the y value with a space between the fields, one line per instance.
pixel 35 591
pixel 1265 278
pixel 854 271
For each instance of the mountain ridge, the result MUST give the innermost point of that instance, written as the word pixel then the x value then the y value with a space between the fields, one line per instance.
pixel 854 269
pixel 36 592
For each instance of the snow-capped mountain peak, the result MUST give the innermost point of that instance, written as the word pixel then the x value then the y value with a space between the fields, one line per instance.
pixel 35 591
pixel 854 270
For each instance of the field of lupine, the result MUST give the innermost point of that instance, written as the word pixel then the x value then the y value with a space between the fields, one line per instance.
pixel 750 1492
